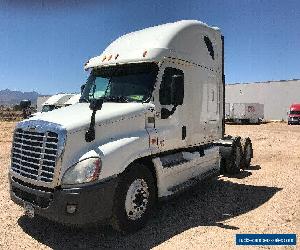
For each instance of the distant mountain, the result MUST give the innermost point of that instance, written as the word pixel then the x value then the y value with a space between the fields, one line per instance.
pixel 9 97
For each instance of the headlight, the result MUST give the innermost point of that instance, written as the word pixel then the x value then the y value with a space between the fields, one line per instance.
pixel 87 170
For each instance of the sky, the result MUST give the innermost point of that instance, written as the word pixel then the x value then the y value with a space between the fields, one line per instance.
pixel 44 44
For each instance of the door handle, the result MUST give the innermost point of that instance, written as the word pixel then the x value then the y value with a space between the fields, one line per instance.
pixel 183 131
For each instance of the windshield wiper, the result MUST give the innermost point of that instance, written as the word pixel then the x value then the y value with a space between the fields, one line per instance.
pixel 115 98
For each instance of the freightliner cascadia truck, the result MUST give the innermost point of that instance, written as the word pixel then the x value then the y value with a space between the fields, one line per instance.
pixel 149 124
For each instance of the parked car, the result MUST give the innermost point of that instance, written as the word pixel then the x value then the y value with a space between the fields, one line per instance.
pixel 294 114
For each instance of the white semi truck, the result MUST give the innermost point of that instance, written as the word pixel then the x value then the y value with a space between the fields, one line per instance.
pixel 55 102
pixel 73 100
pixel 149 124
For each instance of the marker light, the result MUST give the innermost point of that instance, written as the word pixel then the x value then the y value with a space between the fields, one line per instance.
pixel 86 62
pixel 103 58
pixel 109 57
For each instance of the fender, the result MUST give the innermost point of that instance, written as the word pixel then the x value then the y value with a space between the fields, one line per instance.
pixel 117 154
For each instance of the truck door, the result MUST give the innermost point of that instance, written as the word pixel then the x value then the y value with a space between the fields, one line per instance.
pixel 169 120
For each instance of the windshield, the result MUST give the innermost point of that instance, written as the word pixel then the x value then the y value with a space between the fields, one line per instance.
pixel 47 108
pixel 121 83
pixel 295 112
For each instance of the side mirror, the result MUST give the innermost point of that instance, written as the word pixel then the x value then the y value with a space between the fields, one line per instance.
pixel 82 88
pixel 177 90
pixel 96 104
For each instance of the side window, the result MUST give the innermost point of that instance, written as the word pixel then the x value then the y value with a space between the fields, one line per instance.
pixel 165 91
pixel 98 88
pixel 209 47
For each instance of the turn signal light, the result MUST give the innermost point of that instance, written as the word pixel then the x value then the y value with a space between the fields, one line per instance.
pixel 103 58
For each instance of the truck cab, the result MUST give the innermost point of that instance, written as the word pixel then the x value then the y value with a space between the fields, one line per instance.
pixel 73 100
pixel 294 114
pixel 149 124
pixel 56 101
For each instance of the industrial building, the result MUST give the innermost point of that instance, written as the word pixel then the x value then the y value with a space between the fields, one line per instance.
pixel 277 96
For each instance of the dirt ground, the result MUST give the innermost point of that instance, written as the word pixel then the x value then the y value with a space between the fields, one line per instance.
pixel 262 199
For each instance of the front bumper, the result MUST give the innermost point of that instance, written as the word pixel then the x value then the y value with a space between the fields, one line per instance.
pixel 94 202
pixel 294 121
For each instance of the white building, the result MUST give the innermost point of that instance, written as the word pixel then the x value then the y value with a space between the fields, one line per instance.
pixel 277 96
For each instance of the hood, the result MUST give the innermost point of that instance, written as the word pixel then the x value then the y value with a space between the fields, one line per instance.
pixel 78 116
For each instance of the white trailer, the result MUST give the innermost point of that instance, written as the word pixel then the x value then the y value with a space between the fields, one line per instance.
pixel 247 112
pixel 149 124
pixel 227 111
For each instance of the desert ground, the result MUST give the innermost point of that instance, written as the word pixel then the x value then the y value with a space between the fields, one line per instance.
pixel 262 199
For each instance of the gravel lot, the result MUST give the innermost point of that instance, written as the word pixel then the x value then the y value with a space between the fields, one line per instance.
pixel 263 199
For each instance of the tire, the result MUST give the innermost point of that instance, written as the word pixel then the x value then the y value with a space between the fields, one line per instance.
pixel 223 166
pixel 234 161
pixel 134 199
pixel 247 152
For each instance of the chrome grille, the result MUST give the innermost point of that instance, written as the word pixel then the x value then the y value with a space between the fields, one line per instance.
pixel 34 154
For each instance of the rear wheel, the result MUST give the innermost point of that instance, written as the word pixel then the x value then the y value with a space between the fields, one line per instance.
pixel 134 199
pixel 234 161
pixel 247 152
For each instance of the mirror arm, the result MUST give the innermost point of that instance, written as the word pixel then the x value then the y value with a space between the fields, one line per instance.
pixel 82 88
pixel 90 134
pixel 165 113
pixel 94 106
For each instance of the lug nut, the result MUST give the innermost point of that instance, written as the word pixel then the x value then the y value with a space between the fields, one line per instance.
pixel 71 209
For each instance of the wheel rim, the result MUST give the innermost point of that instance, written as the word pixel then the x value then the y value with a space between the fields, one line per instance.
pixel 248 153
pixel 137 198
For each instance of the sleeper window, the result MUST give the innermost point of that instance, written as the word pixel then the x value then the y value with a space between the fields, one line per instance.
pixel 209 46
pixel 165 87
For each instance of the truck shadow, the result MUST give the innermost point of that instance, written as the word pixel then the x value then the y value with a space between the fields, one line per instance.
pixel 244 173
pixel 241 175
pixel 207 204
pixel 254 167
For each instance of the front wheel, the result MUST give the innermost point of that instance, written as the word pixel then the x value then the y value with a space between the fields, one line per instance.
pixel 134 199
pixel 247 152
